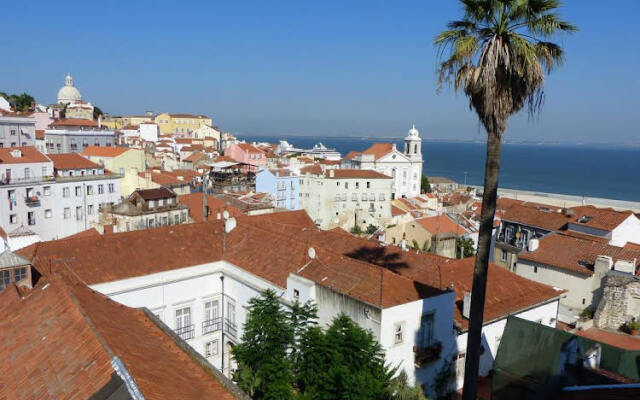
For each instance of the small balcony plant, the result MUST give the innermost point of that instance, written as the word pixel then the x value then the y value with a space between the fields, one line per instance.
pixel 631 327
pixel 427 354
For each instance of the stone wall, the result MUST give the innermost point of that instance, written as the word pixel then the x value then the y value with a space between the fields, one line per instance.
pixel 620 300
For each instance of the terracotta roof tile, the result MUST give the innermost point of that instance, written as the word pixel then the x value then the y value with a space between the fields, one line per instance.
pixel 354 174
pixel 249 148
pixel 311 169
pixel 74 122
pixel 599 218
pixel 379 150
pixel 59 340
pixel 616 339
pixel 28 154
pixel 352 154
pixel 441 224
pixel 104 151
pixel 576 254
pixel 215 206
pixel 39 134
pixel 395 211
pixel 72 161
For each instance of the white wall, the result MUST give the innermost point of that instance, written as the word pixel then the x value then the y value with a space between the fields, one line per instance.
pixel 627 231
pixel 545 314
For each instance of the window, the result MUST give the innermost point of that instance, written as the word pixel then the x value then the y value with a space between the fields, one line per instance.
pixel 79 213
pixel 90 209
pixel 337 183
pixel 121 171
pixel 212 320
pixel 211 348
pixel 65 192
pixel 47 213
pixel 398 333
pixel 78 191
pixel 503 256
pixel 177 219
pixel 183 216
pixel 112 188
pixel 381 197
pixel 89 190
pixel 426 328
pixel 152 203
pixel 13 218
pixel 160 202
pixel 150 223
pixel 19 274
pixel 67 213
pixel 357 185
pixel 27 173
pixel 535 269
pixel 44 171
pixel 31 218
pixel 368 185
pixel 5 279
pixel 183 318
pixel 46 190
pixel 231 312
pixel 13 132
pixel 296 294
pixel 100 189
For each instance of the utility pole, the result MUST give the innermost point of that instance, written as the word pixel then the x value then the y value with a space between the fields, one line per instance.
pixel 205 208
pixel 222 330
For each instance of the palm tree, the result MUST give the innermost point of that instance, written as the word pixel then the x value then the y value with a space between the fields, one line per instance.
pixel 497 54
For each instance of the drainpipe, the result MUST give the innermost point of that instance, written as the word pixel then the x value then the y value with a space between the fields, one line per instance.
pixel 222 331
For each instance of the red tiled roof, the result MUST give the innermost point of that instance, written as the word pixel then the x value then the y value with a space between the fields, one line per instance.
pixel 104 151
pixel 184 140
pixel 395 211
pixel 60 339
pixel 329 162
pixel 215 206
pixel 184 174
pixel 72 161
pixel 352 154
pixel 74 122
pixel 39 134
pixel 249 148
pixel 632 246
pixel 379 150
pixel 532 216
pixel 354 174
pixel 575 254
pixel 311 169
pixel 195 156
pixel 28 154
pixel 162 178
pixel 183 115
pixel 441 224
pixel 616 339
pixel 600 218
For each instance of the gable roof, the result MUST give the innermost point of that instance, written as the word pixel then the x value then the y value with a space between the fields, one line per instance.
pixel 599 218
pixel 28 154
pixel 74 122
pixel 9 259
pixel 536 217
pixel 64 340
pixel 249 148
pixel 442 224
pixel 379 150
pixel 104 151
pixel 72 161
pixel 576 254
pixel 155 194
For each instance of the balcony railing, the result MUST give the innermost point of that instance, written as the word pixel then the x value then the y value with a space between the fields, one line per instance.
pixel 32 201
pixel 31 179
pixel 230 328
pixel 186 332
pixel 211 325
pixel 428 354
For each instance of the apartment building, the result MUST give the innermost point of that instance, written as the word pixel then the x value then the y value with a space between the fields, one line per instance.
pixel 75 135
pixel 280 183
pixel 198 279
pixel 124 161
pixel 181 123
pixel 144 209
pixel 54 196
pixel 17 130
pixel 346 197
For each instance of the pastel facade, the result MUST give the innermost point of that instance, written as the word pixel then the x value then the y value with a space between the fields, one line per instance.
pixel 282 185
pixel 121 160
pixel 247 153
pixel 180 123
pixel 17 130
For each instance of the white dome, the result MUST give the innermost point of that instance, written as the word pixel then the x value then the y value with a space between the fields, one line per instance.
pixel 413 133
pixel 68 93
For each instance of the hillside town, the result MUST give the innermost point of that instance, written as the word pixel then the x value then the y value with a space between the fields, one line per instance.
pixel 138 240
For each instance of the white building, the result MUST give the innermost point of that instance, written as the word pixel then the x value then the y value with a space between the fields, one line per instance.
pixel 17 130
pixel 346 197
pixel 54 196
pixel 405 167
pixel 74 135
pixel 198 279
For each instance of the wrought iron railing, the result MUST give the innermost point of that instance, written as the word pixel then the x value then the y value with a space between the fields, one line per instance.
pixel 211 325
pixel 230 328
pixel 186 332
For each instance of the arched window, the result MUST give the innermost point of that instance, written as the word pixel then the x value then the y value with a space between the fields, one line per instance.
pixel 415 148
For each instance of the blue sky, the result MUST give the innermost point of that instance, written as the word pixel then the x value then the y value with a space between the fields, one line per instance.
pixel 310 67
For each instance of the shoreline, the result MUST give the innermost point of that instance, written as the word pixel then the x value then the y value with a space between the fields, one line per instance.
pixel 565 200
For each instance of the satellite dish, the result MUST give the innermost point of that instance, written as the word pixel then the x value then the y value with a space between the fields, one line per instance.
pixel 312 253
pixel 225 214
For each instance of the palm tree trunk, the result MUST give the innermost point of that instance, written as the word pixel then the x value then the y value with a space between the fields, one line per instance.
pixel 489 196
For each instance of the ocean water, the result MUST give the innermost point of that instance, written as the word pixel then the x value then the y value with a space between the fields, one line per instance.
pixel 593 171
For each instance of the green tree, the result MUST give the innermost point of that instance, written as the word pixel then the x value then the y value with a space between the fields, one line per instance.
pixel 415 245
pixel 97 112
pixel 426 186
pixel 19 102
pixel 425 246
pixel 371 229
pixel 264 367
pixel 356 230
pixel 466 246
pixel 401 390
pixel 497 54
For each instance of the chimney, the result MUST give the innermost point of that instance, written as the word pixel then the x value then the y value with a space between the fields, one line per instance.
pixel 229 225
pixel 99 121
pixel 602 265
pixel 466 305
pixel 626 266
pixel 108 229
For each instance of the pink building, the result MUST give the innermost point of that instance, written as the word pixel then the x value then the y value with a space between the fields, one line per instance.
pixel 247 153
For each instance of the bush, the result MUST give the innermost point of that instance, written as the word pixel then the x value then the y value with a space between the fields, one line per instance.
pixel 356 230
pixel 586 314
pixel 371 229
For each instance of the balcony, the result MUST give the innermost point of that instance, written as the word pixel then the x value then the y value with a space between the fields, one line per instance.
pixel 428 354
pixel 32 201
pixel 186 332
pixel 7 180
pixel 211 325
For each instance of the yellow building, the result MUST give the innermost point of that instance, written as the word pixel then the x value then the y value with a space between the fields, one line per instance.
pixel 119 122
pixel 180 123
pixel 122 160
